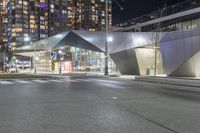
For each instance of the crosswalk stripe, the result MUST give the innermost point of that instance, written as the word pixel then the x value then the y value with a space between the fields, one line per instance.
pixel 23 81
pixel 40 81
pixel 43 81
pixel 5 82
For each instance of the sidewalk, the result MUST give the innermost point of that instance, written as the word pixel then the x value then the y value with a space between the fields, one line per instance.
pixel 185 81
pixel 77 74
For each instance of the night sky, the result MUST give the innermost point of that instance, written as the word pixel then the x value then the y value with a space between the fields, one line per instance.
pixel 135 8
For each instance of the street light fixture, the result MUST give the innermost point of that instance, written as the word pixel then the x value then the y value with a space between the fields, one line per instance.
pixel 110 39
pixel 27 39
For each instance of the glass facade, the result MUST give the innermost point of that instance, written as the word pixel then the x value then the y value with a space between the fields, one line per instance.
pixel 74 59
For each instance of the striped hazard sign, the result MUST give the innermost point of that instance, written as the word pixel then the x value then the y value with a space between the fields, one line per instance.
pixel 53 65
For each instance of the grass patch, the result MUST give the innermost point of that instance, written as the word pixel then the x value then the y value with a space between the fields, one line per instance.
pixel 21 76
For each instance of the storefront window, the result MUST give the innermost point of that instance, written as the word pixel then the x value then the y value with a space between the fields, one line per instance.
pixel 76 60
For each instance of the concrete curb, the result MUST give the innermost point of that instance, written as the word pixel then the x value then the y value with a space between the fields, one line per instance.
pixel 45 77
pixel 170 81
pixel 26 79
pixel 76 75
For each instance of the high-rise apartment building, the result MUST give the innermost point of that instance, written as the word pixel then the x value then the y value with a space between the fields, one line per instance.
pixel 3 24
pixel 91 15
pixel 35 19
pixel 38 19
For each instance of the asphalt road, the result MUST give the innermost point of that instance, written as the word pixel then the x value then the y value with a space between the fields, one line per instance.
pixel 92 105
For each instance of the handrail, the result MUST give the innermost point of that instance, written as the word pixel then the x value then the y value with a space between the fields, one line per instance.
pixel 183 6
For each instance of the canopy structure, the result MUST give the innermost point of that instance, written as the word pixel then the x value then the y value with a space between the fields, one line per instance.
pixel 93 41
pixel 133 52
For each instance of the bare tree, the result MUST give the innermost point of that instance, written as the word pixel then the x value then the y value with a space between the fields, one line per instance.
pixel 157 36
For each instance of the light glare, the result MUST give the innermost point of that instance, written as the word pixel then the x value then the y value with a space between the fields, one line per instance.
pixel 110 39
pixel 27 39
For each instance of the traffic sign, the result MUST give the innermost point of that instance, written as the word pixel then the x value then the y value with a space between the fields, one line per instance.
pixel 53 56
pixel 53 65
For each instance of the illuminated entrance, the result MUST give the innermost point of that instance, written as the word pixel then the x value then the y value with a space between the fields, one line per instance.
pixel 72 59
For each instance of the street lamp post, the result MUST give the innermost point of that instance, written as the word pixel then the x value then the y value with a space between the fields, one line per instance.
pixel 60 67
pixel 28 39
pixel 4 59
pixel 106 41
pixel 35 59
pixel 106 58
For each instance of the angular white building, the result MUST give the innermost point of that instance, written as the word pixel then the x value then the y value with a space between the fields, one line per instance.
pixel 133 53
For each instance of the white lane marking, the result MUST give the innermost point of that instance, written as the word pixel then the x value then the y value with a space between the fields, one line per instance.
pixel 84 80
pixel 107 81
pixel 23 81
pixel 114 98
pixel 71 80
pixel 58 81
pixel 6 82
pixel 74 81
pixel 40 81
